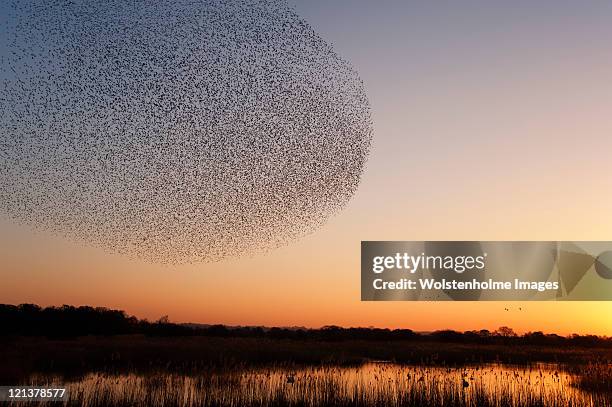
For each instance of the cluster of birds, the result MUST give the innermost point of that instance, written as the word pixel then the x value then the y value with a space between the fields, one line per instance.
pixel 176 130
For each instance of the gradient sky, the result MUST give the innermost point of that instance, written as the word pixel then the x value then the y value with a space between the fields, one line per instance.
pixel 493 121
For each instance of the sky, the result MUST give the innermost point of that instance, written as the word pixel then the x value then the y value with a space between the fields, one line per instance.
pixel 492 121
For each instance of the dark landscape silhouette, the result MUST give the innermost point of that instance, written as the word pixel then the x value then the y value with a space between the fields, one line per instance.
pixel 68 321
pixel 107 357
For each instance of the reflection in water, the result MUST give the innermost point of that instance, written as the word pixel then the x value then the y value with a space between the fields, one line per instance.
pixel 376 383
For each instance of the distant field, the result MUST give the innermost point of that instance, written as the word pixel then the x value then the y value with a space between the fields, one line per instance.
pixel 22 356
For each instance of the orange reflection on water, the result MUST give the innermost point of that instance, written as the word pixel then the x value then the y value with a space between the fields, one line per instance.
pixel 370 384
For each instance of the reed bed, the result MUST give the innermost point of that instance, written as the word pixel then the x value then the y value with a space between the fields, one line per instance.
pixel 370 384
pixel 594 377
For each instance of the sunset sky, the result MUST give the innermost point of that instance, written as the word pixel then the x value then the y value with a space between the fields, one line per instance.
pixel 492 121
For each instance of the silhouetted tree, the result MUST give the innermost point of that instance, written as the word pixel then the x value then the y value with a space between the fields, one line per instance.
pixel 68 321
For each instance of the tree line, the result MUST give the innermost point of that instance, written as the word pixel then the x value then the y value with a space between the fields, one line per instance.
pixel 68 321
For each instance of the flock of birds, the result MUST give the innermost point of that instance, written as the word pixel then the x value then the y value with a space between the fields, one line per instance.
pixel 176 131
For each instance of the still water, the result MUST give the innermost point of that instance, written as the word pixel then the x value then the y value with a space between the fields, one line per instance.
pixel 370 384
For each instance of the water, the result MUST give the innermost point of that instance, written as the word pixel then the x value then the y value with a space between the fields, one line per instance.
pixel 371 384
